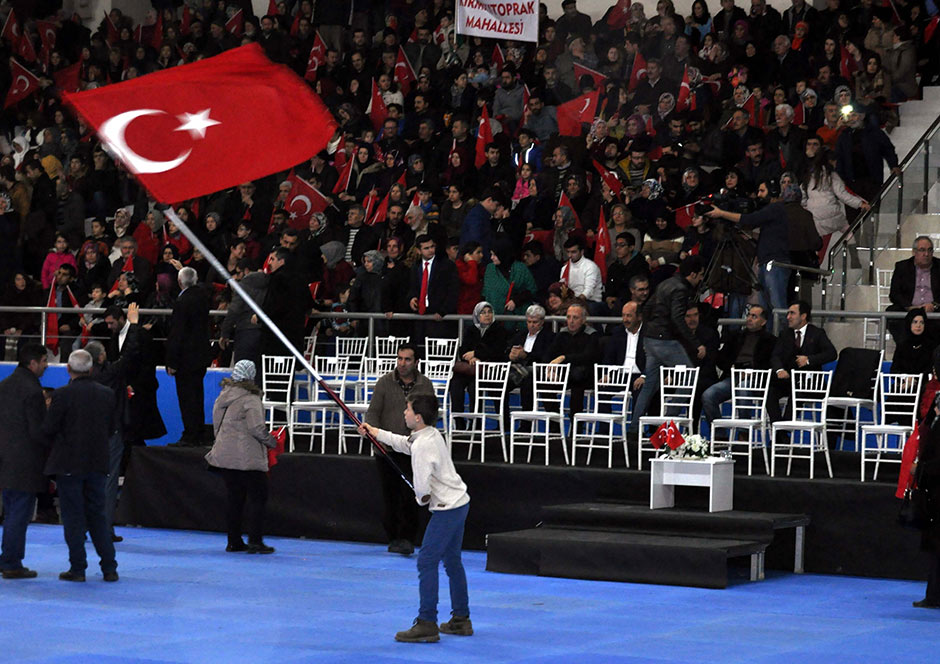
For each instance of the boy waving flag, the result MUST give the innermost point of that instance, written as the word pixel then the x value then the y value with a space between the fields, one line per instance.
pixel 437 485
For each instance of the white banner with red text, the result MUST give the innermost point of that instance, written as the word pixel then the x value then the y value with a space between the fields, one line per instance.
pixel 518 21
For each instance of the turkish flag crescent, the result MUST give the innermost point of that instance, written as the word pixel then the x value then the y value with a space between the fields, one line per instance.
pixel 25 48
pixel 484 137
pixel 236 24
pixel 682 102
pixel 673 436
pixel 303 200
pixel 11 29
pixel 404 72
pixel 377 110
pixel 602 244
pixel 317 57
pixel 46 31
pixel 24 84
pixel 658 439
pixel 198 128
pixel 609 178
pixel 573 113
pixel 619 14
pixel 638 71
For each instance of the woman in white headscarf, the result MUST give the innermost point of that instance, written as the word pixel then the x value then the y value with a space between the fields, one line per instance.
pixel 484 342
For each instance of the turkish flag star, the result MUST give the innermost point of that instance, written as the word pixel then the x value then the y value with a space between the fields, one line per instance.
pixel 196 123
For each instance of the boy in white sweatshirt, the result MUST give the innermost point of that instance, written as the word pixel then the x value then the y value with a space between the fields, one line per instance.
pixel 438 486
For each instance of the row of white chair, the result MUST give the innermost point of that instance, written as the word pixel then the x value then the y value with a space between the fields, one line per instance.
pixel 803 435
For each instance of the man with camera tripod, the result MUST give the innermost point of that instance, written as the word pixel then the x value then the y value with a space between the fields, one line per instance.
pixel 773 245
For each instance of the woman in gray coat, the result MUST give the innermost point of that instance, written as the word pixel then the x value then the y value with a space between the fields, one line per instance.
pixel 240 453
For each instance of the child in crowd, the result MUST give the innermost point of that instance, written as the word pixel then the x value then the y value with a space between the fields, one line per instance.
pixel 437 485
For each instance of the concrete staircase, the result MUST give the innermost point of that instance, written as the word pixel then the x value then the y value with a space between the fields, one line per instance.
pixel 916 118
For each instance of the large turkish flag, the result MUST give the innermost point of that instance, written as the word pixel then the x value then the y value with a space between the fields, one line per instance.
pixel 198 128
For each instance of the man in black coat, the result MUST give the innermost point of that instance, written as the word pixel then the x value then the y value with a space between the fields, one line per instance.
pixel 905 294
pixel 749 347
pixel 144 421
pixel 432 291
pixel 22 455
pixel 801 346
pixel 79 423
pixel 629 263
pixel 577 345
pixel 286 303
pixel 187 355
pixel 114 375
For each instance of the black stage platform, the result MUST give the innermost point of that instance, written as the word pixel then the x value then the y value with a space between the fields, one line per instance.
pixel 852 531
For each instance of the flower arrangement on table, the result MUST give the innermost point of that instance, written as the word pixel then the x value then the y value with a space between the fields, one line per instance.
pixel 674 445
pixel 693 447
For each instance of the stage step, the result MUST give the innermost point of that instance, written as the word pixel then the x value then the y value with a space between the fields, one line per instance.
pixel 735 524
pixel 619 556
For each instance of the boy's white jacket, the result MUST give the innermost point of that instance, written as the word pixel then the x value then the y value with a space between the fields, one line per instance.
pixel 432 467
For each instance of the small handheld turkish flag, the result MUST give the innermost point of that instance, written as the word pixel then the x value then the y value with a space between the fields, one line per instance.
pixel 638 72
pixel 598 78
pixel 303 200
pixel 658 439
pixel 317 57
pixel 198 128
pixel 280 435
pixel 572 114
pixel 404 72
pixel 484 138
pixel 24 84
pixel 673 437
pixel 602 244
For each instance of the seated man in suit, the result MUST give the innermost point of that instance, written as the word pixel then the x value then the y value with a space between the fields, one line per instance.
pixel 915 283
pixel 578 345
pixel 801 346
pixel 749 347
pixel 625 345
pixel 526 348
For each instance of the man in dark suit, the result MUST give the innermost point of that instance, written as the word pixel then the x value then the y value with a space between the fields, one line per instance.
pixel 286 302
pixel 625 346
pixel 801 346
pixel 525 348
pixel 79 423
pixel 749 347
pixel 114 375
pixel 187 355
pixel 915 283
pixel 22 454
pixel 144 421
pixel 578 345
pixel 433 290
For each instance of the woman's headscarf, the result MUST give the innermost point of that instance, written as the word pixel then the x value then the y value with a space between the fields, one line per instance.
pixel 909 319
pixel 656 189
pixel 670 232
pixel 333 253
pixel 477 310
pixel 378 260
pixel 503 248
pixel 561 234
pixel 669 99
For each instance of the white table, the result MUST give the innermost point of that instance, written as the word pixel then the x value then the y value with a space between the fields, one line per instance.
pixel 717 473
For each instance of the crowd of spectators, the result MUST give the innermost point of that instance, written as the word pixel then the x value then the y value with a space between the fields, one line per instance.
pixel 735 105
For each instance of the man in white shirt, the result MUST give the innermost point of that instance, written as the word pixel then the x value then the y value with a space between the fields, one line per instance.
pixel 582 276
pixel 437 485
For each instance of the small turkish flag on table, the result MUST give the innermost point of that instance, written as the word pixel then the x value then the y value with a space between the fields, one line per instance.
pixel 198 128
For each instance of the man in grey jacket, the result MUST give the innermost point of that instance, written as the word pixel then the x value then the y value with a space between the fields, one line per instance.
pixel 386 411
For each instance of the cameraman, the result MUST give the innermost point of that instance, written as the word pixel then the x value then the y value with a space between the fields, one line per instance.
pixel 773 244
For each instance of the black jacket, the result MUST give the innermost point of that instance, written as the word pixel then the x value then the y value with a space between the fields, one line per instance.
pixel 816 347
pixel 187 345
pixel 443 285
pixel 22 448
pixel 286 303
pixel 487 347
pixel 79 423
pixel 664 312
pixel 731 346
pixel 904 280
pixel 540 349
pixel 582 351
pixel 615 352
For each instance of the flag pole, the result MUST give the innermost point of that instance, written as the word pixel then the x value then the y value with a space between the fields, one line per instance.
pixel 263 317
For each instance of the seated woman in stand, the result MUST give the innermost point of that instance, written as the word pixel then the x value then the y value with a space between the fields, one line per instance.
pixel 484 342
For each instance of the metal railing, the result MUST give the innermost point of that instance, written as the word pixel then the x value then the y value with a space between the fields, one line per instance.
pixel 556 322
pixel 869 221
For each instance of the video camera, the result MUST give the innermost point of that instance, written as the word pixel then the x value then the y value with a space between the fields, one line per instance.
pixel 726 201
